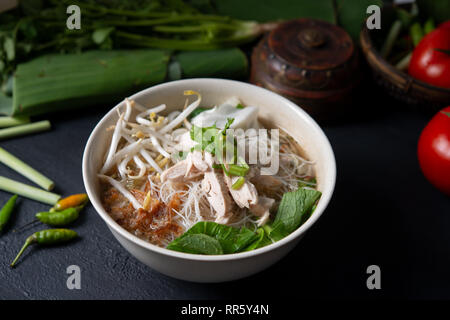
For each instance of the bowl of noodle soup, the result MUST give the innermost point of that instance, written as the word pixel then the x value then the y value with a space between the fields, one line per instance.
pixel 153 181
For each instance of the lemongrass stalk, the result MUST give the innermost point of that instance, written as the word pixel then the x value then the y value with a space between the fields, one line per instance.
pixel 21 167
pixel 27 191
pixel 13 121
pixel 24 129
pixel 392 36
pixel 404 63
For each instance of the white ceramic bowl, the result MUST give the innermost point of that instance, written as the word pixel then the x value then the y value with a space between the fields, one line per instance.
pixel 273 108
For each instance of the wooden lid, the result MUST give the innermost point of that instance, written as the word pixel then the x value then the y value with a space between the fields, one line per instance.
pixel 314 63
pixel 311 44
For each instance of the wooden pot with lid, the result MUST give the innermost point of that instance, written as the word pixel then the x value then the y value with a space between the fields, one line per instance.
pixel 311 62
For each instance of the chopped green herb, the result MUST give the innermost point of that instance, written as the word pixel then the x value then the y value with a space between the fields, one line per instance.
pixel 238 184
pixel 196 112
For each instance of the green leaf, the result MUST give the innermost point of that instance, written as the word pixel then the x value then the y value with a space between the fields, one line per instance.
pixel 8 46
pixel 295 208
pixel 437 9
pixel 100 35
pixel 277 230
pixel 197 244
pixel 446 113
pixel 6 104
pixel 31 7
pixel 227 63
pixel 270 10
pixel 231 239
pixel 259 242
pixel 352 14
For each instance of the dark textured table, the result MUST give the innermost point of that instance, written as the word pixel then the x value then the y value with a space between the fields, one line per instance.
pixel 383 212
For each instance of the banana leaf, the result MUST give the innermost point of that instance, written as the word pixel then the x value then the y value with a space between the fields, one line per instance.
pixel 349 14
pixel 228 63
pixel 56 81
pixel 352 14
pixel 270 10
pixel 60 82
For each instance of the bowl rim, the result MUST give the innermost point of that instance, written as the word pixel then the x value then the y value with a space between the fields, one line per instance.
pixel 325 199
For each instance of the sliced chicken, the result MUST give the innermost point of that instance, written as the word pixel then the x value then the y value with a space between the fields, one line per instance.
pixel 262 209
pixel 191 167
pixel 246 195
pixel 217 194
pixel 264 183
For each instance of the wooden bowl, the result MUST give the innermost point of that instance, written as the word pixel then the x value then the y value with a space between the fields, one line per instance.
pixel 400 84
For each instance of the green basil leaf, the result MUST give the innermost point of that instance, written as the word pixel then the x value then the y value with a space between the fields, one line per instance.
pixel 196 243
pixel 295 208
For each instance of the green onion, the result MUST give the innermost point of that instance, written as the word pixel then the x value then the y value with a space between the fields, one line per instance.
pixel 239 182
pixel 27 191
pixel 21 167
pixel 404 63
pixel 224 168
pixel 24 129
pixel 13 121
pixel 236 170
pixel 392 36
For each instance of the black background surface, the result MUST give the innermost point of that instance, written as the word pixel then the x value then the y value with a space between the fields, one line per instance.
pixel 383 212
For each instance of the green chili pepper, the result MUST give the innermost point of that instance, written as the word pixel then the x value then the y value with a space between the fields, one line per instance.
pixel 428 26
pixel 416 33
pixel 55 218
pixel 47 237
pixel 59 218
pixel 6 211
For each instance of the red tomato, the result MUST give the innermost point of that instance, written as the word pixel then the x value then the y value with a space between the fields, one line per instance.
pixel 434 150
pixel 427 63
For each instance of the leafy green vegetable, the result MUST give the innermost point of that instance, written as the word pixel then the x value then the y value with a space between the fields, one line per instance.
pixel 295 208
pixel 196 243
pixel 231 239
pixel 196 112
pixel 259 242
pixel 276 231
